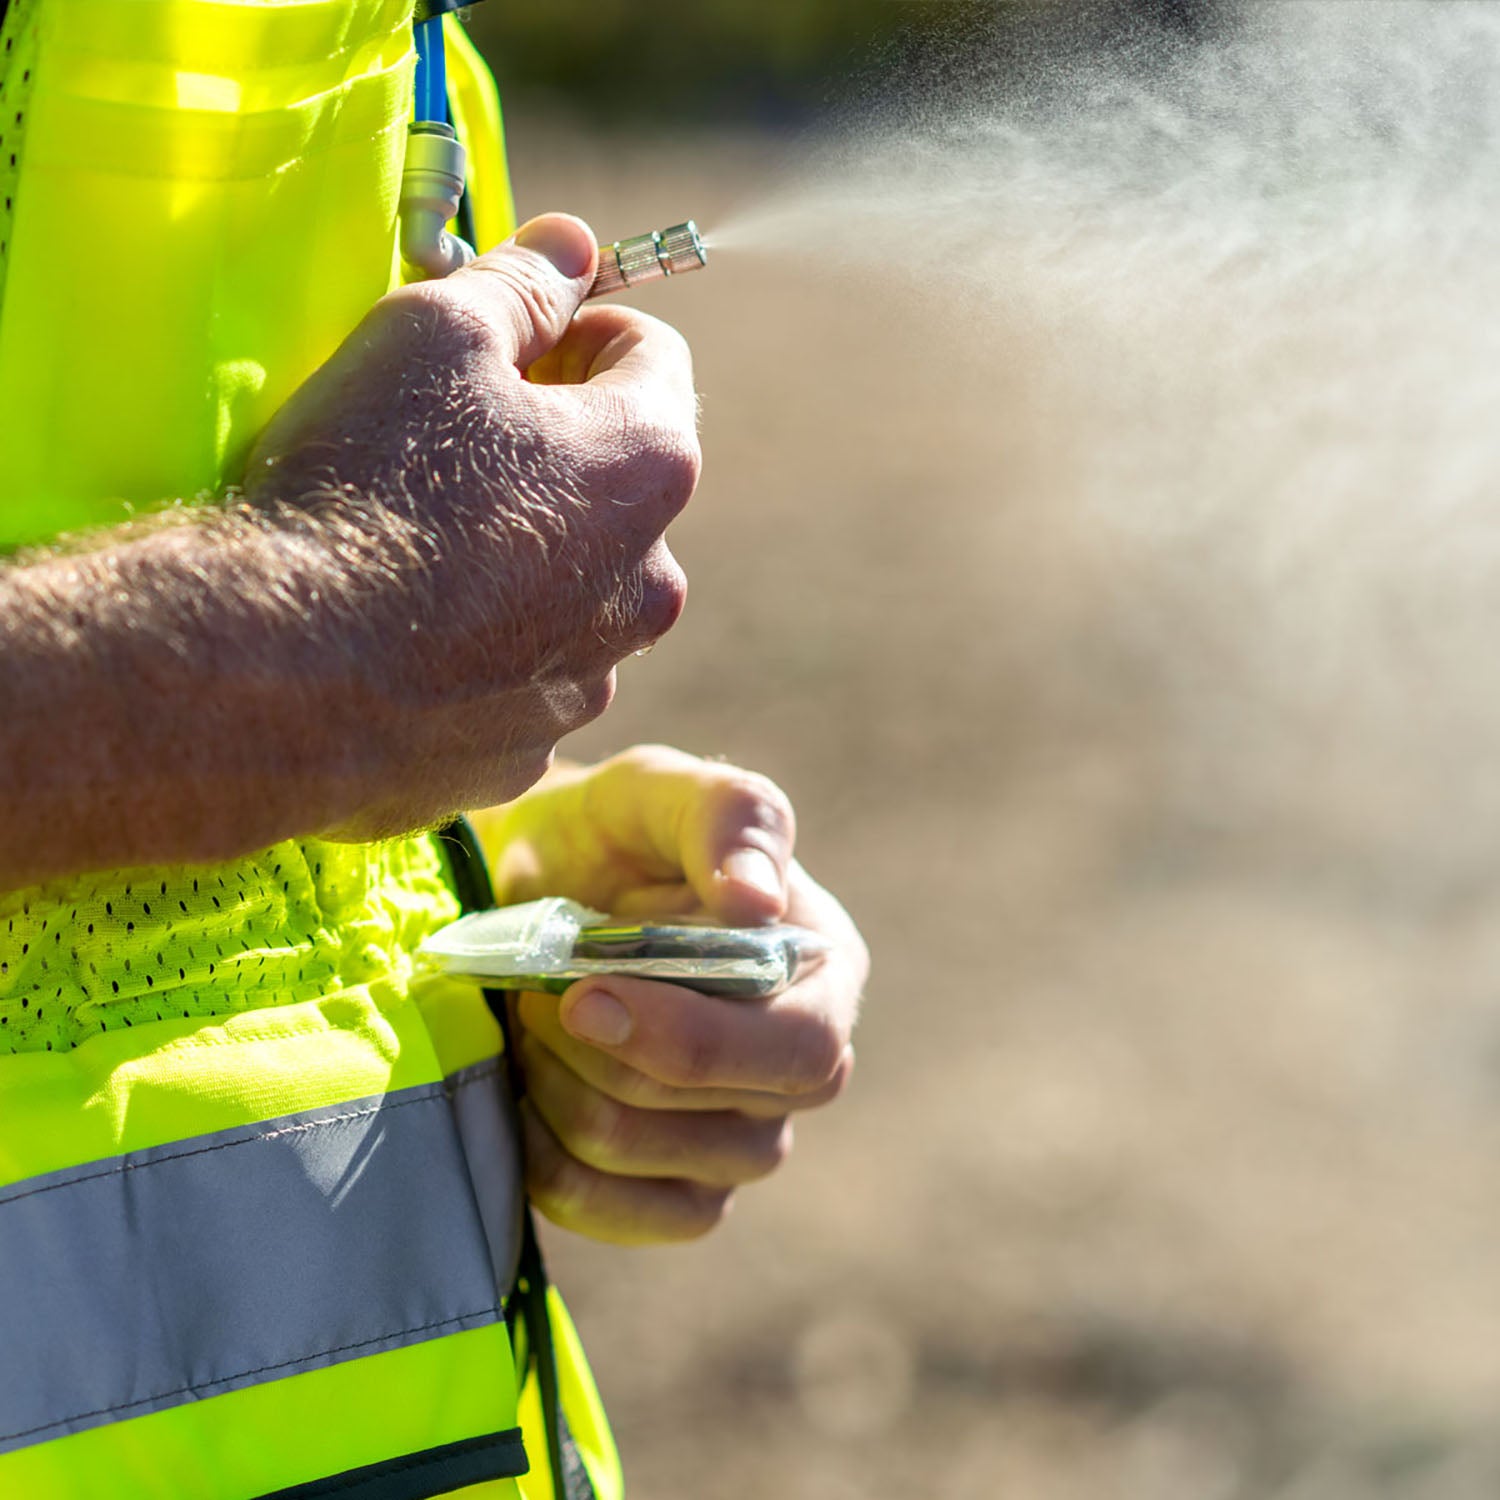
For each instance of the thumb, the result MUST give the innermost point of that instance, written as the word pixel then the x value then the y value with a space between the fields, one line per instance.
pixel 738 844
pixel 530 286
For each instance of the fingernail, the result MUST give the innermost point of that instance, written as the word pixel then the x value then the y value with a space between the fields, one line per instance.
pixel 596 1016
pixel 560 240
pixel 755 868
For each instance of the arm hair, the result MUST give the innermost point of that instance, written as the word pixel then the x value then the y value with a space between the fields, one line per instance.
pixel 198 685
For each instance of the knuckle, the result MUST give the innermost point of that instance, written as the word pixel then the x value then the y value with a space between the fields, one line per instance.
pixel 654 761
pixel 680 345
pixel 641 453
pixel 845 1075
pixel 637 771
pixel 566 1210
pixel 773 1147
pixel 664 590
pixel 552 1178
pixel 706 1210
pixel 678 458
pixel 817 1053
pixel 423 301
pixel 546 1187
pixel 669 343
pixel 669 355
pixel 755 801
pixel 826 1093
pixel 834 1088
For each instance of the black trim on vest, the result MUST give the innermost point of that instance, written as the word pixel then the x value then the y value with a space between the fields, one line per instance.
pixel 570 1480
pixel 419 1476
pixel 476 892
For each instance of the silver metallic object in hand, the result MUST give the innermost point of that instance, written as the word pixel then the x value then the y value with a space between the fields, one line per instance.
pixel 649 257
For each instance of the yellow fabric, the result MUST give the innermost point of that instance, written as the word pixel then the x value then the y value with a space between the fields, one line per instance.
pixel 17 68
pixel 95 953
pixel 148 1085
pixel 324 1422
pixel 459 1025
pixel 212 186
pixel 584 1410
pixel 216 186
pixel 268 139
pixel 476 117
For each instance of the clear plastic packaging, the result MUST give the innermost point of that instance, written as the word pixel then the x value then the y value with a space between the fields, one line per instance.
pixel 547 944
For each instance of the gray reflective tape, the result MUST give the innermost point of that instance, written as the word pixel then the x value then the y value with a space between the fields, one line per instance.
pixel 490 1132
pixel 172 1274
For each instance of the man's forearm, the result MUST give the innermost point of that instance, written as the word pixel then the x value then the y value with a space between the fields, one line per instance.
pixel 444 564
pixel 182 695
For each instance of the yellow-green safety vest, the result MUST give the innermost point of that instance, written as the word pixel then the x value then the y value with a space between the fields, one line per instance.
pixel 261 1210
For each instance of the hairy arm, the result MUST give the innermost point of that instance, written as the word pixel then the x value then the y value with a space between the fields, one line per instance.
pixel 198 690
pixel 452 533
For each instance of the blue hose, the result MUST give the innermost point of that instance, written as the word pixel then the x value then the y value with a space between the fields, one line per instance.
pixel 432 72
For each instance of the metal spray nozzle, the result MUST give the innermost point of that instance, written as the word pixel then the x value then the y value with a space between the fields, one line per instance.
pixel 649 257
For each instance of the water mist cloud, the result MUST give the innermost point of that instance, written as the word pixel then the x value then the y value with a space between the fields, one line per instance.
pixel 1261 266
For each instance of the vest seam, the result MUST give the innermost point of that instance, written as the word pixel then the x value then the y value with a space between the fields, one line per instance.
pixel 438 1090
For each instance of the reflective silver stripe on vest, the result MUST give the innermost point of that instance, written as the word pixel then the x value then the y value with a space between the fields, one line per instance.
pixel 168 1275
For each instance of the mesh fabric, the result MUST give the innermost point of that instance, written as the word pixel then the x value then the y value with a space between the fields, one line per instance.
pixel 297 922
pixel 17 57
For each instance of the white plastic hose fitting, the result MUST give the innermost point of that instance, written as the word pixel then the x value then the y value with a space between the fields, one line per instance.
pixel 432 186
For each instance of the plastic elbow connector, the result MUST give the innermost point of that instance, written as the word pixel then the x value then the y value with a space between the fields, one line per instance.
pixel 432 186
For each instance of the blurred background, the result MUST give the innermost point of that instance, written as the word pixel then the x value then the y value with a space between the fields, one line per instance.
pixel 1168 1171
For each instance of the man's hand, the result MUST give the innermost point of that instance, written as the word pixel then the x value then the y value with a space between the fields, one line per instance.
pixel 648 1104
pixel 453 531
pixel 516 465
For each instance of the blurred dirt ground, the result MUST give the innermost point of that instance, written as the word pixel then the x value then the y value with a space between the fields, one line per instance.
pixel 1168 1169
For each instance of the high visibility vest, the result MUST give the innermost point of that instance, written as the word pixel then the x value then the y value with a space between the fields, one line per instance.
pixel 262 1225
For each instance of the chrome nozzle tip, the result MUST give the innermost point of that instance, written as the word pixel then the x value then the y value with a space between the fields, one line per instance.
pixel 684 248
pixel 649 257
